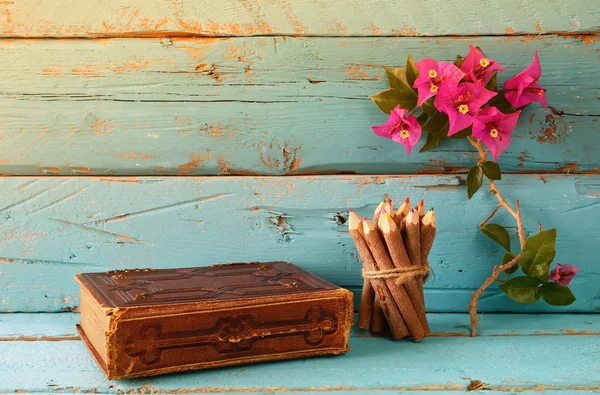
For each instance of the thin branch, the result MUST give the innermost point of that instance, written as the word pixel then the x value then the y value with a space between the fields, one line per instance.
pixel 521 228
pixel 516 213
pixel 489 281
pixel 490 216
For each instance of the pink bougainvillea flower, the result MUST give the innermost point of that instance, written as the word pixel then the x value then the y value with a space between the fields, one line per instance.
pixel 433 75
pixel 477 68
pixel 400 128
pixel 563 274
pixel 494 128
pixel 523 88
pixel 461 103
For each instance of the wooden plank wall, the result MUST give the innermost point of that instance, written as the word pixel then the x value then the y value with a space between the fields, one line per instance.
pixel 139 133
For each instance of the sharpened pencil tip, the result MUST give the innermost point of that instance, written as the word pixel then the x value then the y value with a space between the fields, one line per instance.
pixel 412 210
pixel 365 219
pixel 350 211
pixel 431 209
pixel 407 201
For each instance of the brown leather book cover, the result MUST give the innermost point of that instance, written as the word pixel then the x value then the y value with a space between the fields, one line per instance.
pixel 144 322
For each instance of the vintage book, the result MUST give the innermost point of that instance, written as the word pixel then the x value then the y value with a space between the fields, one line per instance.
pixel 144 322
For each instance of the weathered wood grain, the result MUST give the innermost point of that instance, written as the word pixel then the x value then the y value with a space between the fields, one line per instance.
pixel 61 326
pixel 355 392
pixel 55 227
pixel 513 363
pixel 264 106
pixel 44 18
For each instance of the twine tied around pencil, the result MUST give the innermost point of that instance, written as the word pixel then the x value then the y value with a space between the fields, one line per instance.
pixel 401 275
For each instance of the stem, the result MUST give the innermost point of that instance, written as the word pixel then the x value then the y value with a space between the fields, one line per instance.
pixel 516 213
pixel 489 281
pixel 490 216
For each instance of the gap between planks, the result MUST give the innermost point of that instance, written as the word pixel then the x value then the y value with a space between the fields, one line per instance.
pixel 433 389
pixel 17 327
pixel 303 175
pixel 589 36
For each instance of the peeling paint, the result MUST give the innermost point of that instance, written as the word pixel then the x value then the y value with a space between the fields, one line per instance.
pixel 133 155
pixel 88 71
pixel 55 71
pixel 553 130
pixel 196 161
pixel 101 126
pixel 405 31
pixel 130 66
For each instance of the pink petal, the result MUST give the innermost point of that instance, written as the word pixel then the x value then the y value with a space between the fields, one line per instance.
pixel 445 97
pixel 479 96
pixel 424 93
pixel 471 64
pixel 458 121
pixel 554 275
pixel 512 97
pixel 471 60
pixel 424 66
pixel 452 74
pixel 496 145
pixel 414 133
pixel 382 131
pixel 563 274
pixel 530 97
pixel 492 68
pixel 534 69
pixel 568 268
pixel 488 114
pixel 506 123
pixel 399 112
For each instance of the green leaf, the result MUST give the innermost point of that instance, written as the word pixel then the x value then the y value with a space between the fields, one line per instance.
pixel 509 256
pixel 459 61
pixel 523 289
pixel 411 71
pixel 428 107
pixel 397 78
pixel 492 84
pixel 463 133
pixel 491 170
pixel 537 254
pixel 498 234
pixel 422 119
pixel 542 261
pixel 390 98
pixel 474 180
pixel 557 295
pixel 438 123
pixel 499 101
pixel 432 141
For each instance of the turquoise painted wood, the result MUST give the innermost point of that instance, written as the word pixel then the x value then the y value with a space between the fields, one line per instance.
pixel 55 227
pixel 40 18
pixel 163 93
pixel 508 363
pixel 61 326
pixel 365 392
pixel 265 105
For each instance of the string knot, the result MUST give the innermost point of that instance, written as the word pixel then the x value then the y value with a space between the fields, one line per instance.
pixel 399 274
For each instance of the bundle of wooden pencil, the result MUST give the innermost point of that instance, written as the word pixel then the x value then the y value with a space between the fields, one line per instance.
pixel 394 247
